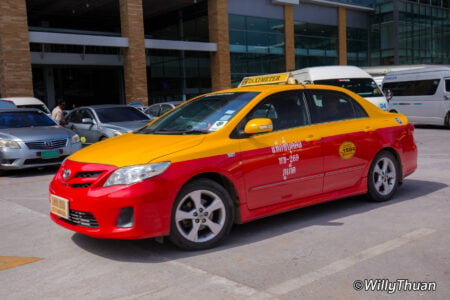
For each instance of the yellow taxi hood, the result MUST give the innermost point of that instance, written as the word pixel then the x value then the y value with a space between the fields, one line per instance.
pixel 135 149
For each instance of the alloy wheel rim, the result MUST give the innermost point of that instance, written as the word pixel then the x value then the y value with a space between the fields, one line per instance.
pixel 200 216
pixel 384 176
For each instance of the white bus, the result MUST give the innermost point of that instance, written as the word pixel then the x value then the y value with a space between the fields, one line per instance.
pixel 423 95
pixel 349 77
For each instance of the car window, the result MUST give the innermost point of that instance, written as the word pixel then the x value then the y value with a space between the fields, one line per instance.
pixel 286 110
pixel 24 119
pixel 365 87
pixel 328 106
pixel 119 114
pixel 165 108
pixel 74 117
pixel 205 114
pixel 153 110
pixel 447 85
pixel 85 114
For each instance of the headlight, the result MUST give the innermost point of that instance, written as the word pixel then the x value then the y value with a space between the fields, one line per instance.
pixel 116 132
pixel 75 139
pixel 133 174
pixel 9 144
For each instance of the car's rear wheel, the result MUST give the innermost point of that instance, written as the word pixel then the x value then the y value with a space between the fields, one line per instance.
pixel 447 120
pixel 384 177
pixel 202 215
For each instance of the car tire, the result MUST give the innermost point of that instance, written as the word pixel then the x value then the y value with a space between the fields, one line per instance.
pixel 384 177
pixel 447 120
pixel 202 215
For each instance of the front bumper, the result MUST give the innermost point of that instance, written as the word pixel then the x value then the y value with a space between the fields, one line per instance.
pixel 13 159
pixel 95 210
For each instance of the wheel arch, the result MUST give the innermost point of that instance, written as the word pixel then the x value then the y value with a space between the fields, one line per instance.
pixel 397 158
pixel 227 184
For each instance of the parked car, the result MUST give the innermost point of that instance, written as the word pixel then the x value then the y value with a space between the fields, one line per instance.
pixel 158 109
pixel 7 104
pixel 29 138
pixel 138 105
pixel 233 156
pixel 423 95
pixel 99 122
pixel 29 102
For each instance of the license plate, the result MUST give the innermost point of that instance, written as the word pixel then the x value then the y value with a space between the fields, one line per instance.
pixel 59 206
pixel 50 154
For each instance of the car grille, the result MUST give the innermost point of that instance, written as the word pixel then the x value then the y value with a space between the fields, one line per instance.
pixel 88 174
pixel 81 185
pixel 37 161
pixel 81 218
pixel 49 144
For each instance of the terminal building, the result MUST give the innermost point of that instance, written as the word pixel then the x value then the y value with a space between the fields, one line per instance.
pixel 119 51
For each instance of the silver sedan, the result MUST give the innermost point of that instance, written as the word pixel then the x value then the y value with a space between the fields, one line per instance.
pixel 99 122
pixel 29 138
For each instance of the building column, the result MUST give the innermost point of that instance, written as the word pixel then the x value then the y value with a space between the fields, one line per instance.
pixel 15 62
pixel 342 35
pixel 219 34
pixel 134 65
pixel 289 37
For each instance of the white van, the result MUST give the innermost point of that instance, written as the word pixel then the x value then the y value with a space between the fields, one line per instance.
pixel 28 102
pixel 349 77
pixel 423 95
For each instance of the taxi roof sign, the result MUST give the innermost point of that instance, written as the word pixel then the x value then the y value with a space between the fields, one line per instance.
pixel 279 78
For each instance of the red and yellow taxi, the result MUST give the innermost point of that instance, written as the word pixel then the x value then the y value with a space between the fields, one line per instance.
pixel 231 157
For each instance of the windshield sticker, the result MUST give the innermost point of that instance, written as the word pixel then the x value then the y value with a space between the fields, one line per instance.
pixel 347 150
pixel 225 118
pixel 217 125
pixel 229 112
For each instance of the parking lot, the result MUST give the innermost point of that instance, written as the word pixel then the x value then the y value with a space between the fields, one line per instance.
pixel 318 252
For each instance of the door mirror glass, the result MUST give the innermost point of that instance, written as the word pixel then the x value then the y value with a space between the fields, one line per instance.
pixel 87 121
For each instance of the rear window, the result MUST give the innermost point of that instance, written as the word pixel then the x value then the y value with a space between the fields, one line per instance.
pixel 24 119
pixel 413 87
pixel 365 87
pixel 35 106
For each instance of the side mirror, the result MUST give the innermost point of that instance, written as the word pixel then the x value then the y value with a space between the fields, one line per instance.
pixel 87 121
pixel 259 125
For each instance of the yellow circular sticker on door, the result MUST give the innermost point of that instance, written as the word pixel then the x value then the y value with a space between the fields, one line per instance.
pixel 347 150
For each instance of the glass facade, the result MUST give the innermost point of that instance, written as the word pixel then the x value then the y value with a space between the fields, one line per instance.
pixel 188 23
pixel 357 46
pixel 177 75
pixel 410 32
pixel 256 46
pixel 89 17
pixel 315 45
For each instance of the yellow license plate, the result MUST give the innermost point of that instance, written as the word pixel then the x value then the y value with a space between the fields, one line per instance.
pixel 59 206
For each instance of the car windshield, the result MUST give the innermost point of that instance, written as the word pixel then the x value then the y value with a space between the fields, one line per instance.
pixel 119 114
pixel 205 114
pixel 22 119
pixel 365 87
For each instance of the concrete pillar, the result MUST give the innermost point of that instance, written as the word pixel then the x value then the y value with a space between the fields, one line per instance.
pixel 342 34
pixel 15 62
pixel 219 34
pixel 134 65
pixel 289 37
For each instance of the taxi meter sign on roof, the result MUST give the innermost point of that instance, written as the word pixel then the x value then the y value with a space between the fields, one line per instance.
pixel 266 79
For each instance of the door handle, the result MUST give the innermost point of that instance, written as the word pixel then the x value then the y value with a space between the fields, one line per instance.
pixel 311 138
pixel 446 97
pixel 367 129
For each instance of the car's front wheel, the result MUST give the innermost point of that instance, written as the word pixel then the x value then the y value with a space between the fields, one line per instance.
pixel 384 177
pixel 202 215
